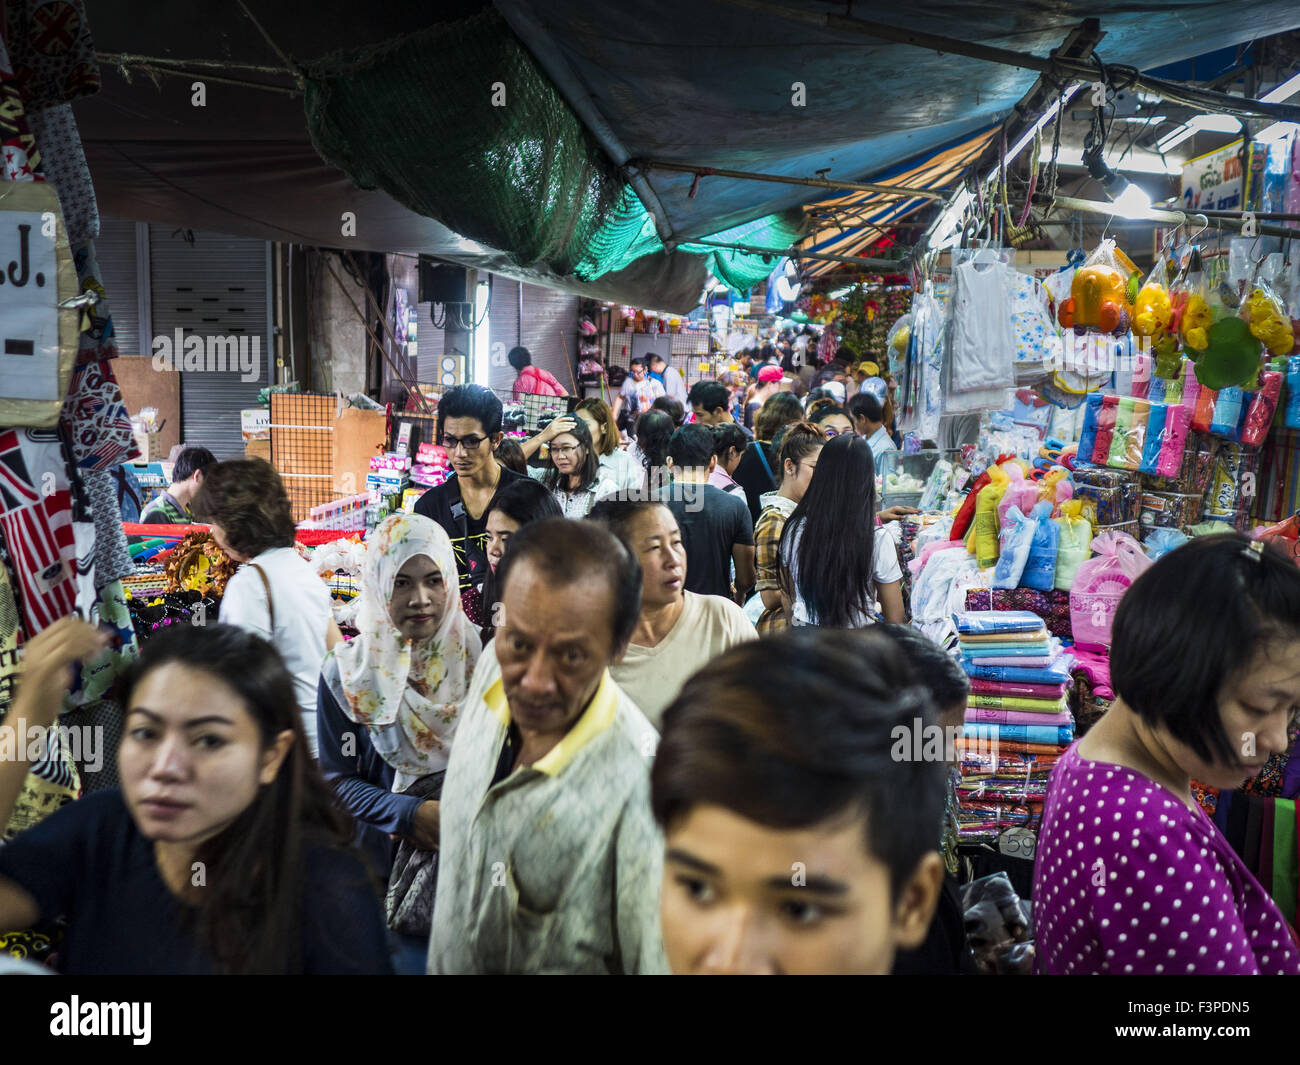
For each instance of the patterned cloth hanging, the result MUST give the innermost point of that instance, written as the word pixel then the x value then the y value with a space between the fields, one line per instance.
pixel 19 156
pixel 63 163
pixel 52 51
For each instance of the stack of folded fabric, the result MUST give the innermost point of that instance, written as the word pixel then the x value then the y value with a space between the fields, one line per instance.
pixel 1018 721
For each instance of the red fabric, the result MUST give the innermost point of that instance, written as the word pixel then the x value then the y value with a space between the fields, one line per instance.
pixel 533 380
pixel 961 523
pixel 316 537
pixel 168 532
pixel 44 552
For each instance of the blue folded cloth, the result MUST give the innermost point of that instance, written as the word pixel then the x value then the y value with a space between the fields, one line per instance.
pixel 1057 672
pixel 986 622
pixel 1058 734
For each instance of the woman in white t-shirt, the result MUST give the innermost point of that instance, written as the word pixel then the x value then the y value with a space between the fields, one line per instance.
pixel 275 594
pixel 835 564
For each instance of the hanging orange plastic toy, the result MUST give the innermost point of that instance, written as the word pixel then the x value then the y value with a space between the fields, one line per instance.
pixel 1098 298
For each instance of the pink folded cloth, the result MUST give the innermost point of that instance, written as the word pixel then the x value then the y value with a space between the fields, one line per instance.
pixel 1093 665
pixel 1017 689
pixel 917 564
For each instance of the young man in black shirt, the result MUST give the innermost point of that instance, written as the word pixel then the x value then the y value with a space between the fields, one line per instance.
pixel 716 526
pixel 469 427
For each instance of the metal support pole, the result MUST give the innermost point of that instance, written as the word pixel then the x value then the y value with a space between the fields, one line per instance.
pixel 819 183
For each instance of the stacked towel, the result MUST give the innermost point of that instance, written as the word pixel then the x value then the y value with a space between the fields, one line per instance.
pixel 1018 720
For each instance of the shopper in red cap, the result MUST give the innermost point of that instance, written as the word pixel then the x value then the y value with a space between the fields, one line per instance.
pixel 770 381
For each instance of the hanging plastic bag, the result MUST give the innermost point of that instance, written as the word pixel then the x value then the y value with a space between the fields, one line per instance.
pixel 1017 538
pixel 1161 541
pixel 1099 294
pixel 1191 303
pixel 1099 585
pixel 1040 566
pixel 1259 415
pixel 984 531
pixel 1153 311
pixel 1072 543
pixel 1265 314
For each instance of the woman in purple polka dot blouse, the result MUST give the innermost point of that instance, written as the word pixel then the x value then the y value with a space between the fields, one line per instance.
pixel 1131 876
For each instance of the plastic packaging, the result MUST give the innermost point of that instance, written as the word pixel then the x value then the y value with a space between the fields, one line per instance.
pixel 1142 373
pixel 1108 496
pixel 1191 306
pixel 1105 429
pixel 1268 321
pixel 1040 566
pixel 1227 411
pixel 1154 438
pixel 1119 437
pixel 1075 535
pixel 1088 435
pixel 1203 412
pixel 1153 310
pixel 1099 585
pixel 984 530
pixel 1293 392
pixel 1099 294
pixel 1170 461
pixel 1190 393
pixel 1161 541
pixel 1017 538
pixel 1011 496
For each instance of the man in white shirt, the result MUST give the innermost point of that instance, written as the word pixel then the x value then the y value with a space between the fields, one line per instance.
pixel 674 383
pixel 678 632
pixel 549 857
pixel 869 422
pixel 638 392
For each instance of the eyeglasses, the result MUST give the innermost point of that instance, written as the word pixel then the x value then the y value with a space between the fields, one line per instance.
pixel 469 443
pixel 831 434
pixel 564 452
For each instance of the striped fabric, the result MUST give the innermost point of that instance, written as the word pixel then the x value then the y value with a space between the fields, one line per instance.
pixel 36 523
pixel 850 223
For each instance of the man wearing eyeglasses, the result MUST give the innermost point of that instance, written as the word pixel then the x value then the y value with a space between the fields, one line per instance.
pixel 469 427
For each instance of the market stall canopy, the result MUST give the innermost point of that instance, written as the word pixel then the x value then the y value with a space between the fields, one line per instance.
pixel 849 224
pixel 535 183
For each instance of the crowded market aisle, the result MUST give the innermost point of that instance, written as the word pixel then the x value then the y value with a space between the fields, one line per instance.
pixel 942 618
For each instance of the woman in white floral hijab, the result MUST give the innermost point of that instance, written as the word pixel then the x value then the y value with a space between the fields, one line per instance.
pixel 405 674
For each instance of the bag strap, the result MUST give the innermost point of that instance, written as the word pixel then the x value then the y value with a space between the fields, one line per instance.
pixel 270 603
pixel 762 456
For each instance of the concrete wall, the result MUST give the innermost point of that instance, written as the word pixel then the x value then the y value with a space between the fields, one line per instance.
pixel 338 335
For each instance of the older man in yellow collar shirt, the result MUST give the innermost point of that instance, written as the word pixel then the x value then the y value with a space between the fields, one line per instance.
pixel 550 858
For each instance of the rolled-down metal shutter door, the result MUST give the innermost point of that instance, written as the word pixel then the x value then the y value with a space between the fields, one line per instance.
pixel 115 251
pixel 503 327
pixel 550 329
pixel 215 287
pixel 429 344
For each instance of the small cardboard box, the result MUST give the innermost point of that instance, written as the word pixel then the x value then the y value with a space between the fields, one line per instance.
pixel 255 423
pixel 150 445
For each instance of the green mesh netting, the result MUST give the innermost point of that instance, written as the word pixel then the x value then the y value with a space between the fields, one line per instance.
pixel 742 270
pixel 458 123
pixel 628 234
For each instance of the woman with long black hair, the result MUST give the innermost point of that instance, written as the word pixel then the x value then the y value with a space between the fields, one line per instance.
pixel 653 431
pixel 576 478
pixel 223 851
pixel 518 505
pixel 834 565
